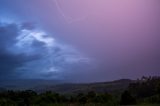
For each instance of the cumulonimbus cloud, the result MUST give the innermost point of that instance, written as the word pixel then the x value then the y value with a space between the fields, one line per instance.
pixel 33 53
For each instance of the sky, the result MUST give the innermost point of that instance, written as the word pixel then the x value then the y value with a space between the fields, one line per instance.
pixel 79 40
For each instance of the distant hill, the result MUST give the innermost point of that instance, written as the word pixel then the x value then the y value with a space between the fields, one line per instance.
pixel 2 89
pixel 24 84
pixel 117 86
pixel 40 85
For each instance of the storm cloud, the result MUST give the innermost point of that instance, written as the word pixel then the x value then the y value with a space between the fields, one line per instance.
pixel 27 52
pixel 10 61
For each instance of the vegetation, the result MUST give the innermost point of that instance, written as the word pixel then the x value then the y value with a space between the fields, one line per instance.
pixel 31 98
pixel 144 91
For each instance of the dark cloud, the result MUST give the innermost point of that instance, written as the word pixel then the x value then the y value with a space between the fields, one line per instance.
pixel 28 53
pixel 9 61
pixel 8 34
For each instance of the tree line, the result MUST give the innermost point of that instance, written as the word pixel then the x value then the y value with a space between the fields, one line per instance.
pixel 142 91
pixel 31 98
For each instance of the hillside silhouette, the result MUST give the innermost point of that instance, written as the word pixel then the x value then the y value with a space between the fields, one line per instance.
pixel 120 92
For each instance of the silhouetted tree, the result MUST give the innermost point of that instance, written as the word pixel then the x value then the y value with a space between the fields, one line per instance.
pixel 81 98
pixel 91 96
pixel 158 89
pixel 127 99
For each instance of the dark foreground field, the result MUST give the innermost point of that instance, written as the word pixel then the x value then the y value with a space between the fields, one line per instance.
pixel 142 92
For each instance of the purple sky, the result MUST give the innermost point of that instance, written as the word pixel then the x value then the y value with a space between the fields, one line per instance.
pixel 98 40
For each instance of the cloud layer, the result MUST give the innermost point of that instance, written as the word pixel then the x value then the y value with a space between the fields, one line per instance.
pixel 27 52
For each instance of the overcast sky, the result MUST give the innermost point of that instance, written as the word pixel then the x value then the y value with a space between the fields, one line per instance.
pixel 79 40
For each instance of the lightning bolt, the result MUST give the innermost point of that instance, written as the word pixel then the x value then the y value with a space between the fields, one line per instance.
pixel 67 18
